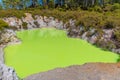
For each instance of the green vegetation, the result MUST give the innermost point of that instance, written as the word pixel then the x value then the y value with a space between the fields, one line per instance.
pixel 24 24
pixel 12 13
pixel 94 18
pixel 117 36
pixel 3 25
pixel 46 49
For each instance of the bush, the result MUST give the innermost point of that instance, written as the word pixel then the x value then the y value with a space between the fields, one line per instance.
pixel 3 24
pixel 110 7
pixel 11 13
pixel 95 8
pixel 117 34
pixel 115 6
pixel 24 25
pixel 107 7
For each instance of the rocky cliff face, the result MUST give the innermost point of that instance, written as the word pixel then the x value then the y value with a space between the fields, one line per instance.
pixel 6 37
pixel 1 55
pixel 7 73
pixel 92 71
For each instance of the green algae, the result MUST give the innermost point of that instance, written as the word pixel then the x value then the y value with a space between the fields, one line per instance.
pixel 46 49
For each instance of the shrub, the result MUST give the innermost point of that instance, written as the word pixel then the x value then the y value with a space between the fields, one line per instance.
pixel 3 24
pixel 115 6
pixel 117 35
pixel 109 25
pixel 11 13
pixel 107 7
pixel 110 7
pixel 95 8
pixel 24 25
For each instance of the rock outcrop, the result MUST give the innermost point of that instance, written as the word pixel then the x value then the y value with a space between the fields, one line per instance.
pixel 1 54
pixel 91 71
pixel 7 73
pixel 7 37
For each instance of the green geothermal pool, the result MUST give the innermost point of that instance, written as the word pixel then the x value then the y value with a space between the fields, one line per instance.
pixel 46 49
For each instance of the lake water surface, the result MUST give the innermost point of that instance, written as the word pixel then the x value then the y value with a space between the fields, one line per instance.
pixel 48 48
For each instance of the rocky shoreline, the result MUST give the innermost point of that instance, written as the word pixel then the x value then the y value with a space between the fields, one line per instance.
pixel 105 39
pixel 1 54
pixel 6 73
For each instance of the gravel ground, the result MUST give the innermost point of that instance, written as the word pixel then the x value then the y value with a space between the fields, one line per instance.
pixel 90 71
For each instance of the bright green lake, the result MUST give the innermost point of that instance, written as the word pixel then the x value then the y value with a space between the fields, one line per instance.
pixel 46 49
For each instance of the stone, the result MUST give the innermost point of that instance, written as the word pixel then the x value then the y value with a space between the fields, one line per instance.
pixel 116 50
pixel 1 55
pixel 59 25
pixel 29 26
pixel 51 22
pixel 72 23
pixel 81 28
pixel 7 37
pixel 40 21
pixel 29 20
pixel 93 39
pixel 7 73
pixel 84 36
